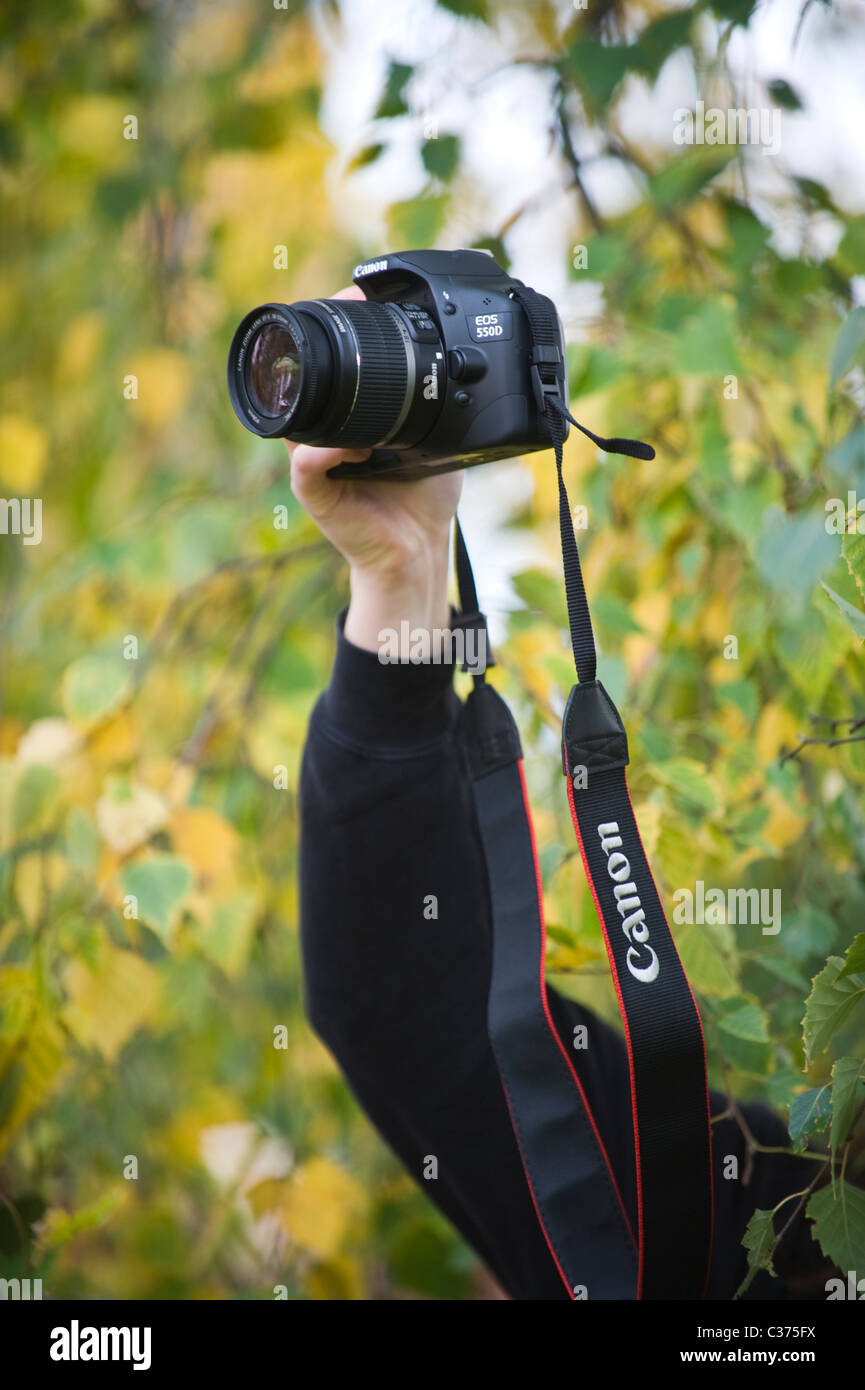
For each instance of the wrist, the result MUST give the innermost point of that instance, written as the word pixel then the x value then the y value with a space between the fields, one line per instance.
pixel 402 598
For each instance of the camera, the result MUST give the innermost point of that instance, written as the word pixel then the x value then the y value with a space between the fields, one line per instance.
pixel 438 368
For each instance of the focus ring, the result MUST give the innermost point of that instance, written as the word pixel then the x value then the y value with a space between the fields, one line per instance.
pixel 383 375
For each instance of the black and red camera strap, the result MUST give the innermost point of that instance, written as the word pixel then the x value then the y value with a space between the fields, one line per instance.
pixel 575 1193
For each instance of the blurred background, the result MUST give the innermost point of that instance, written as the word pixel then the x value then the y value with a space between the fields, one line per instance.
pixel 170 1126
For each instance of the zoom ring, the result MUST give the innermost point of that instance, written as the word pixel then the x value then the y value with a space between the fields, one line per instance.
pixel 383 375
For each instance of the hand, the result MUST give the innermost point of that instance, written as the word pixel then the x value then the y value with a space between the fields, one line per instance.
pixel 393 535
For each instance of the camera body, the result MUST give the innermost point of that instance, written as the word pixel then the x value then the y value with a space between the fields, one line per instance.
pixel 434 372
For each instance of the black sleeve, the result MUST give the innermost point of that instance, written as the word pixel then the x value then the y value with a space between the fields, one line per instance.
pixel 395 932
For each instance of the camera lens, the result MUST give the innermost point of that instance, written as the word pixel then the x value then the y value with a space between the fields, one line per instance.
pixel 274 371
pixel 335 372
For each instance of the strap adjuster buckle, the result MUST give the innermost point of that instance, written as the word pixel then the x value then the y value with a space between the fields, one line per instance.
pixel 544 354
pixel 481 656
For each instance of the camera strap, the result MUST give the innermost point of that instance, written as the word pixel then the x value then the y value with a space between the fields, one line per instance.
pixel 574 1190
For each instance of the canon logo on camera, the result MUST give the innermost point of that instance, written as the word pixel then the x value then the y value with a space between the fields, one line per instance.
pixel 371 268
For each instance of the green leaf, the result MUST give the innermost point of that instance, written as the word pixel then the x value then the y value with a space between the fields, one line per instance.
pixel 808 932
pixel 739 11
pixel 847 345
pixel 591 368
pixel 793 551
pixel 612 615
pixel 416 222
pixel 441 156
pixel 816 192
pixel 471 9
pixel 226 937
pixel 659 39
pixel 33 799
pixel 93 686
pixel 160 882
pixel 853 550
pixel 747 1022
pixel 839 1223
pixel 680 180
pixel 392 101
pixel 829 1004
pixel 854 957
pixel 854 616
pixel 706 342
pixel 851 249
pixel 82 840
pixel 782 1086
pixel 758 1240
pixel 495 245
pixel 541 593
pixel 782 969
pixel 707 968
pixel 810 1113
pixel 598 68
pixel 783 94
pixel 368 155
pixel 58 1227
pixel 687 779
pixel 847 1094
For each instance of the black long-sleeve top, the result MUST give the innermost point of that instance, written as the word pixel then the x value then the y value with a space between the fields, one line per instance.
pixel 400 997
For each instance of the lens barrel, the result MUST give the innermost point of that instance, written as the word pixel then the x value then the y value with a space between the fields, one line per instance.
pixel 337 372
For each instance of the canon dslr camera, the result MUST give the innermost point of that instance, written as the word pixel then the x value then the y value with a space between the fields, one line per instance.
pixel 438 368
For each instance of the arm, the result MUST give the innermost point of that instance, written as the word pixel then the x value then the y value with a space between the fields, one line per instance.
pixel 395 917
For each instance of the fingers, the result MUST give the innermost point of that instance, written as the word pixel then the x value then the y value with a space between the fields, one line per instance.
pixel 310 484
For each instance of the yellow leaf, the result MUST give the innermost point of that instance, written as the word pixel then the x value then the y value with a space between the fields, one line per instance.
pixel 37 878
pixel 108 1004
pixel 291 59
pixel 23 450
pixel 58 1226
pixel 676 854
pixel 714 625
pixel 211 39
pixel 115 741
pixel 321 1202
pixel 18 1002
pixel 212 1107
pixel 90 127
pixel 35 1066
pixel 785 823
pixel 276 737
pixel 733 721
pixel 776 729
pixel 164 382
pixel 339 1279
pixel 79 346
pixel 707 967
pixel 224 929
pixel 205 839
pixel 648 814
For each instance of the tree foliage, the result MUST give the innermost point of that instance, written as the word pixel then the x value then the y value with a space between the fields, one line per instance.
pixel 170 1127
